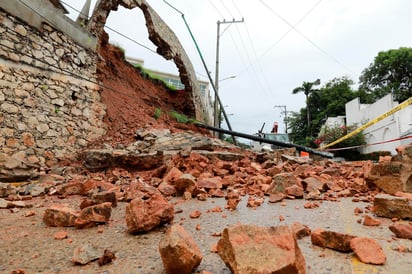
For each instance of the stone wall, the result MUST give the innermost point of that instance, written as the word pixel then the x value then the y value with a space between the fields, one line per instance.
pixel 49 101
pixel 168 45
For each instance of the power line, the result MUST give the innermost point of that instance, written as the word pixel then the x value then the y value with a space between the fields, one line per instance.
pixel 254 75
pixel 250 62
pixel 224 6
pixel 234 4
pixel 265 86
pixel 217 10
pixel 255 56
pixel 280 39
pixel 113 30
pixel 304 36
pixel 130 39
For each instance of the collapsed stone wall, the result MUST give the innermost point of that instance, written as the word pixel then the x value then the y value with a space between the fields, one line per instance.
pixel 168 45
pixel 49 100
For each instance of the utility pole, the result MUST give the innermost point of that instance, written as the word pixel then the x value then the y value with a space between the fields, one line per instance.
pixel 284 112
pixel 217 108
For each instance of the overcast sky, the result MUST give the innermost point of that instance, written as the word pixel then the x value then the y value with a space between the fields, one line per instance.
pixel 279 45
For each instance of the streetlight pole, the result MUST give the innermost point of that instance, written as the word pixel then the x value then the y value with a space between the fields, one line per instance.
pixel 216 109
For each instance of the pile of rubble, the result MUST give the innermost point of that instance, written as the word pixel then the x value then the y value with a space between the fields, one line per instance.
pixel 149 173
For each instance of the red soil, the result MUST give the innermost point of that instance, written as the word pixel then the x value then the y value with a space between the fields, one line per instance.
pixel 131 100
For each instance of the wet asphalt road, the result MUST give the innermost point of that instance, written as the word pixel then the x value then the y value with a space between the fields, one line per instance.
pixel 27 243
pixel 335 216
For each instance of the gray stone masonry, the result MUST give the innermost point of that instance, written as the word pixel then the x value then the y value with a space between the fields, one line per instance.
pixel 50 106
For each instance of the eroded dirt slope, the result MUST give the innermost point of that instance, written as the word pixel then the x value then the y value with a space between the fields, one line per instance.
pixel 132 100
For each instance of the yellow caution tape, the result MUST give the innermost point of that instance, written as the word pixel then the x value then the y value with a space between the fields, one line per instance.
pixel 370 123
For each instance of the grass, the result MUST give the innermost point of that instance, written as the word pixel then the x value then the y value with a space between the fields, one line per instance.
pixel 158 112
pixel 181 118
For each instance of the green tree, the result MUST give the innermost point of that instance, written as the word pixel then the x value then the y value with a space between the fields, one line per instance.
pixel 328 101
pixel 298 127
pixel 391 71
pixel 307 89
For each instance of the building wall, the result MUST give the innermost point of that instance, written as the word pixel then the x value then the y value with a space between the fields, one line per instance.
pixel 392 127
pixel 49 100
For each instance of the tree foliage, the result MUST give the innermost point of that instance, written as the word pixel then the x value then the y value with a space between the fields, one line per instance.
pixel 391 71
pixel 331 134
pixel 307 88
pixel 298 127
pixel 328 101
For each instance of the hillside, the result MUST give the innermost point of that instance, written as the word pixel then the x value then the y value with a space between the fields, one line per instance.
pixel 132 100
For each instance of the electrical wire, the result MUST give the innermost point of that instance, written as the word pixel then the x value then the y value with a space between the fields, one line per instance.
pixel 237 9
pixel 255 56
pixel 266 84
pixel 253 75
pixel 305 37
pixel 224 6
pixel 111 29
pixel 217 10
pixel 249 61
pixel 282 37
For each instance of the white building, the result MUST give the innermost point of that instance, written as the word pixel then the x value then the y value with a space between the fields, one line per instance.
pixel 390 128
pixel 174 80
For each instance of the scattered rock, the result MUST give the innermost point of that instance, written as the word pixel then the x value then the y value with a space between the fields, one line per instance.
pixel 18 271
pixel 179 252
pixel 300 230
pixel 195 214
pixel 358 211
pixel 209 183
pixel 166 189
pixel 330 239
pixel 85 254
pixel 94 215
pixel 13 204
pixel 369 221
pixel 310 205
pixel 295 191
pixel 402 230
pixel 215 209
pixel 185 183
pixel 71 188
pixel 60 235
pixel 276 197
pixel 96 184
pixel 108 257
pixel 368 250
pixel 104 196
pixel 144 215
pixel 391 177
pixel 385 205
pixel 281 181
pixel 233 199
pixel 404 194
pixel 60 215
pixel 253 249
pixel 172 175
pixel 29 213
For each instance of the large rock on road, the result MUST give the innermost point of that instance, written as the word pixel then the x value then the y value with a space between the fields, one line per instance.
pixel 254 249
pixel 143 215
